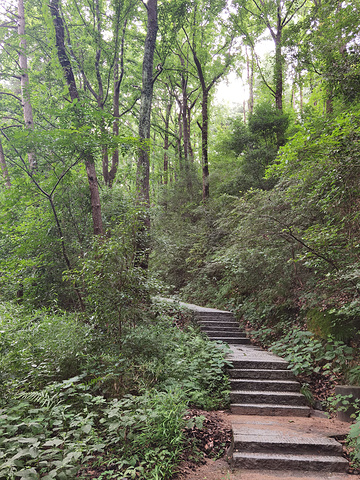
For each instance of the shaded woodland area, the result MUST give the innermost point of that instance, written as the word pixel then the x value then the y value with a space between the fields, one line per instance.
pixel 123 179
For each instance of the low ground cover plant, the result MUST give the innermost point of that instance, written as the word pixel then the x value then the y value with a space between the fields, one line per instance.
pixel 117 407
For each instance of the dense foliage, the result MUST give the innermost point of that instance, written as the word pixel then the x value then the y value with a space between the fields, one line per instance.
pixel 252 208
pixel 70 396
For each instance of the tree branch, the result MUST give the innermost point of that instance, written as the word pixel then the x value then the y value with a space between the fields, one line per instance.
pixel 11 95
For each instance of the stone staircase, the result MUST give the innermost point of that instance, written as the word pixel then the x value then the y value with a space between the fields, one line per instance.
pixel 261 384
pixel 274 443
pixel 221 326
pixel 269 414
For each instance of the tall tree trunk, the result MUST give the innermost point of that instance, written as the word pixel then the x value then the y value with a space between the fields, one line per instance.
pixel 3 166
pixel 143 164
pixel 185 127
pixel 278 73
pixel 166 142
pixel 116 112
pixel 24 79
pixel 142 174
pixel 204 145
pixel 74 94
pixel 179 139
pixel 292 97
pixel 118 77
pixel 191 150
pixel 250 79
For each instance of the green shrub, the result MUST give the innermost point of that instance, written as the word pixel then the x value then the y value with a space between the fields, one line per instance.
pixel 40 347
pixel 169 357
pixel 306 354
pixel 353 441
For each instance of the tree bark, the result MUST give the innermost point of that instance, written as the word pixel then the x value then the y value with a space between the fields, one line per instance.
pixel 24 79
pixel 166 142
pixel 143 164
pixel 142 175
pixel 278 73
pixel 74 95
pixel 3 166
pixel 118 77
pixel 250 78
pixel 204 145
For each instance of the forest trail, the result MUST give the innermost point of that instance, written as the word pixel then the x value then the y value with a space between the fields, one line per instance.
pixel 274 431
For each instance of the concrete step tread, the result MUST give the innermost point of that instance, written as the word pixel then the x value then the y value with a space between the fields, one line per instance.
pixel 267 393
pixel 214 318
pixel 233 335
pixel 264 376
pixel 245 442
pixel 265 364
pixel 232 340
pixel 270 409
pixel 220 336
pixel 258 381
pixel 209 323
pixel 285 386
pixel 260 370
pixel 226 328
pixel 286 455
pixel 306 462
pixel 224 333
pixel 281 438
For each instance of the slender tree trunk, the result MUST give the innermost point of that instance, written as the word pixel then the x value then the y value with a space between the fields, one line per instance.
pixel 184 115
pixel 292 98
pixel 191 151
pixel 204 127
pixel 186 136
pixel 105 165
pixel 250 78
pixel 118 76
pixel 3 166
pixel 142 176
pixel 24 79
pixel 179 140
pixel 116 112
pixel 143 164
pixel 74 94
pixel 204 144
pixel 278 73
pixel 166 142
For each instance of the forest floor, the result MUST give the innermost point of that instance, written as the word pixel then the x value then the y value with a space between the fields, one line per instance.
pixel 212 442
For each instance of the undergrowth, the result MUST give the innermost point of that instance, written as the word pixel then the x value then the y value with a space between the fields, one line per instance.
pixel 72 396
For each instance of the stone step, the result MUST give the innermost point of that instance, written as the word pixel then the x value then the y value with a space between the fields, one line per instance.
pixel 282 443
pixel 206 324
pixel 270 410
pixel 232 340
pixel 227 333
pixel 267 397
pixel 261 374
pixel 270 461
pixel 259 364
pixel 265 385
pixel 216 326
pixel 220 315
